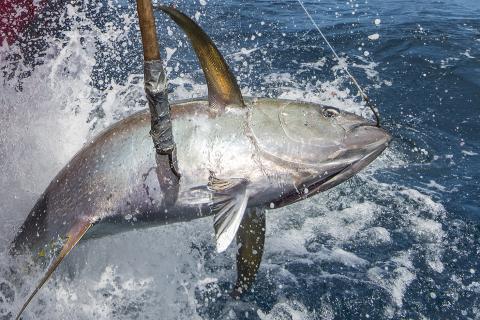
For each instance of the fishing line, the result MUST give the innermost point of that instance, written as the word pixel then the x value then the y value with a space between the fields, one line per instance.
pixel 367 100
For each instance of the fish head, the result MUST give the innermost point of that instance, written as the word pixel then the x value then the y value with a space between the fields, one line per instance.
pixel 309 148
pixel 312 147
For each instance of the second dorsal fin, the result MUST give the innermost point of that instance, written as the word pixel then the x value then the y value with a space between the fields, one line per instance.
pixel 223 89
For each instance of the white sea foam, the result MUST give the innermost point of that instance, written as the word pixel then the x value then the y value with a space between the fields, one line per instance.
pixel 293 310
pixel 375 236
pixel 435 185
pixel 318 65
pixel 467 54
pixel 469 153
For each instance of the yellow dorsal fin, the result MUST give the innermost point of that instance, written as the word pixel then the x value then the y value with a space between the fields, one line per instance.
pixel 223 89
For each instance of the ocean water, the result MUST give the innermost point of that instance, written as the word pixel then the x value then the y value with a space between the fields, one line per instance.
pixel 401 240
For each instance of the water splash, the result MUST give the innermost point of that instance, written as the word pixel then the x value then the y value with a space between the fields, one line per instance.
pixel 370 237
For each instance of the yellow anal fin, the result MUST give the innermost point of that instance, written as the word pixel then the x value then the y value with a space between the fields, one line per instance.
pixel 73 236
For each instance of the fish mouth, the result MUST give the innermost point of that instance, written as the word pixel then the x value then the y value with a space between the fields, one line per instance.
pixel 342 174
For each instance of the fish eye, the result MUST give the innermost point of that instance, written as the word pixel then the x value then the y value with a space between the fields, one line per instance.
pixel 330 112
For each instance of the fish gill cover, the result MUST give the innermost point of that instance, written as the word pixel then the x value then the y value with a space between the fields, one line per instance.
pixel 399 240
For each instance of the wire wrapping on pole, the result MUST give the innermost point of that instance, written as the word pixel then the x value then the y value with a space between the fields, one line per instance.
pixel 367 100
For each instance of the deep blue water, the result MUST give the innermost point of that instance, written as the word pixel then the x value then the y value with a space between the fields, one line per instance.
pixel 401 240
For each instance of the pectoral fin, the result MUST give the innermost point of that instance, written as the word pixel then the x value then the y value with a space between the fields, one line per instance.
pixel 73 236
pixel 250 239
pixel 230 201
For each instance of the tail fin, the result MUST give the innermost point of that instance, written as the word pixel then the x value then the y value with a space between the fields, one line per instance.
pixel 73 236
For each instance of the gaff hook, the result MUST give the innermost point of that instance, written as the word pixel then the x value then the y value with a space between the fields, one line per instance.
pixel 156 87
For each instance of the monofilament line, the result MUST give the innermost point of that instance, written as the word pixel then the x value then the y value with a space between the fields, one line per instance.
pixel 362 93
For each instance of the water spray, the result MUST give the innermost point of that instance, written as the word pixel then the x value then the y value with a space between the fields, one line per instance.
pixel 367 100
